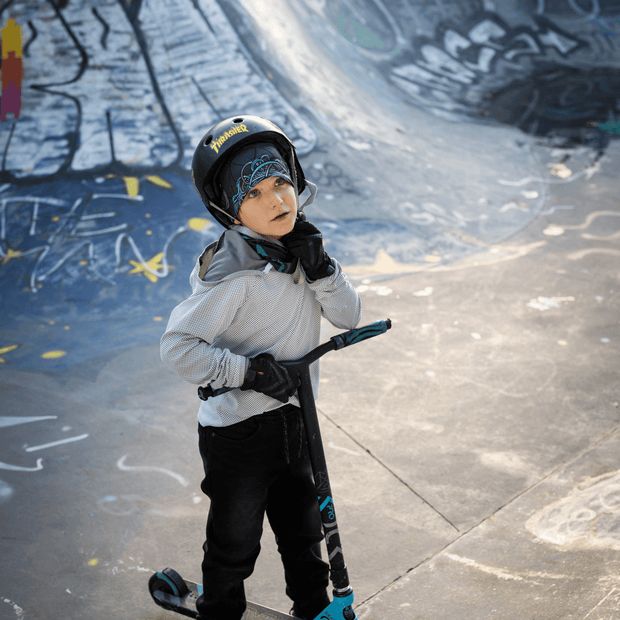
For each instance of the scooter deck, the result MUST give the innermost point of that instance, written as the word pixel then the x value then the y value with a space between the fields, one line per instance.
pixel 186 604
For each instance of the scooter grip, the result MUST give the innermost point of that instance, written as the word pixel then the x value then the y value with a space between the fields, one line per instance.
pixel 340 341
pixel 204 393
pixel 353 336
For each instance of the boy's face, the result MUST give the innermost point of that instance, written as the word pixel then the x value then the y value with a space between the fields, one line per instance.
pixel 270 208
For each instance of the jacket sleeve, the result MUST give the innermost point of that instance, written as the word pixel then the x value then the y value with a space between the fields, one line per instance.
pixel 340 303
pixel 187 344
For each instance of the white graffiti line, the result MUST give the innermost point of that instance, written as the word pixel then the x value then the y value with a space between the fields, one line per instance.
pixel 121 465
pixel 138 198
pixel 36 200
pixel 9 467
pixel 446 59
pixel 600 602
pixel 19 612
pixel 611 237
pixel 91 256
pixel 53 444
pixel 81 221
pixel 22 254
pixel 98 215
pixel 138 254
pixel 545 303
pixel 484 33
pixel 590 218
pixel 585 518
pixel 7 420
pixel 101 231
pixel 85 219
pixel 484 568
pixel 335 447
pixel 65 218
pixel 37 277
pixel 502 574
pixel 583 253
pixel 596 9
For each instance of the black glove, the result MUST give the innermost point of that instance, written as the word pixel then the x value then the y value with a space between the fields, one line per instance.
pixel 306 242
pixel 265 375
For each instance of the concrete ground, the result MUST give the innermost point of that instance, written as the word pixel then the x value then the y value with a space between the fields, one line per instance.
pixel 467 159
pixel 473 449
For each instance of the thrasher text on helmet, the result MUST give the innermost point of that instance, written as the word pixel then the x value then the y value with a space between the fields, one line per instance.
pixel 216 144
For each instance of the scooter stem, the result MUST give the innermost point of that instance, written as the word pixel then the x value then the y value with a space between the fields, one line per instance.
pixel 338 570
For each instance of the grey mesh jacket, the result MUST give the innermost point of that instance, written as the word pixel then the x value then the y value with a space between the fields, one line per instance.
pixel 240 307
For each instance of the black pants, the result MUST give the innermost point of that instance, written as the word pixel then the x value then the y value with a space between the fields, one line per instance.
pixel 258 466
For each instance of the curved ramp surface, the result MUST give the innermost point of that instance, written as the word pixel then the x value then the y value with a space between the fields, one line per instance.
pixel 416 121
pixel 467 160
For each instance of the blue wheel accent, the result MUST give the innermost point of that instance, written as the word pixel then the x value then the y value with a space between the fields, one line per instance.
pixel 169 581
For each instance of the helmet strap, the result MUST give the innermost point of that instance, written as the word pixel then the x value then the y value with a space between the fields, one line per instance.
pixel 228 215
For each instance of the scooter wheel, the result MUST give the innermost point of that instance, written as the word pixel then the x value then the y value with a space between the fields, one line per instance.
pixel 168 581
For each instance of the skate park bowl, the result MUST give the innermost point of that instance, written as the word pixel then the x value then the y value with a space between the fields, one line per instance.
pixel 383 100
pixel 436 131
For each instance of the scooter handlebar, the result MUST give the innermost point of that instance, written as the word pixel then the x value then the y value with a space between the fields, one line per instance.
pixel 340 341
pixel 353 336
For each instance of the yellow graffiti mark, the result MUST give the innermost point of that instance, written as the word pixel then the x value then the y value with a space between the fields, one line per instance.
pixel 93 562
pixel 11 39
pixel 199 223
pixel 385 265
pixel 50 355
pixel 10 254
pixel 159 181
pixel 133 186
pixel 154 263
pixel 8 349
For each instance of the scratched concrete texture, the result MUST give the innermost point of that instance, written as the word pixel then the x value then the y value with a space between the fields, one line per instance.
pixel 467 159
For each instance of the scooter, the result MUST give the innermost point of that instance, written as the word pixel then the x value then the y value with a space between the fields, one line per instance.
pixel 170 591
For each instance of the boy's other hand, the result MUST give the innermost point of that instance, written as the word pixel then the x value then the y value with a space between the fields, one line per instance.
pixel 306 243
pixel 265 375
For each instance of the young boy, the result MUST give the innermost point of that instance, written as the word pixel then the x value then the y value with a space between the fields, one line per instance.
pixel 258 297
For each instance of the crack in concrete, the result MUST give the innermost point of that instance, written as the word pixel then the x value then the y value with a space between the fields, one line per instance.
pixel 389 470
pixel 564 464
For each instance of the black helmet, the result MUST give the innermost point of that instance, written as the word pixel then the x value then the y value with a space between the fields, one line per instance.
pixel 224 140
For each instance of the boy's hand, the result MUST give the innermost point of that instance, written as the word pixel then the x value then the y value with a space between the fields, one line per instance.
pixel 265 375
pixel 306 242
